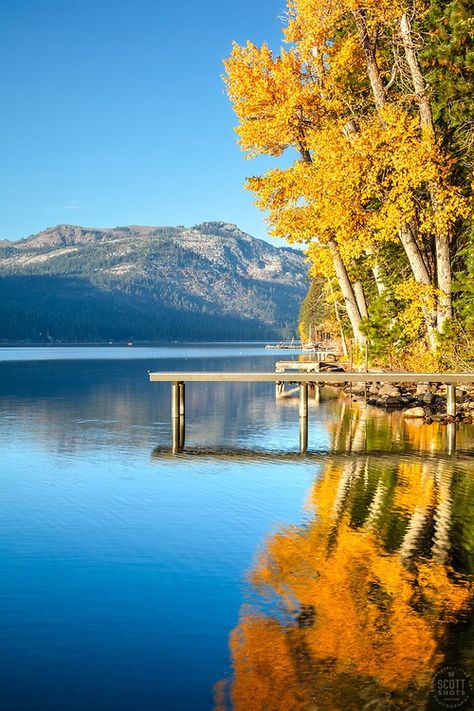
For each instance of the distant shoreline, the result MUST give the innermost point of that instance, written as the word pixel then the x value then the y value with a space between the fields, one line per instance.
pixel 125 344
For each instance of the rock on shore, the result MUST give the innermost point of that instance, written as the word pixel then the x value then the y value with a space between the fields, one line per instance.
pixel 423 400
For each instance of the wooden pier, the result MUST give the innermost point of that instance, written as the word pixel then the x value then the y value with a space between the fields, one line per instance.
pixel 311 365
pixel 303 380
pixel 302 366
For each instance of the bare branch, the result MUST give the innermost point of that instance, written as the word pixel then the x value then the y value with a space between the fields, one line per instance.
pixel 393 76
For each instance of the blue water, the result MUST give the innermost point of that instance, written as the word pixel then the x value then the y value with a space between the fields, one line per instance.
pixel 123 570
pixel 159 352
pixel 122 575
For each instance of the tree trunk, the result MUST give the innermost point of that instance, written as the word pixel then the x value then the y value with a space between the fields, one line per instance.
pixel 415 258
pixel 442 246
pixel 345 350
pixel 443 264
pixel 351 128
pixel 419 85
pixel 348 294
pixel 369 45
pixel 379 282
pixel 377 272
pixel 422 276
pixel 343 277
pixel 425 251
pixel 360 299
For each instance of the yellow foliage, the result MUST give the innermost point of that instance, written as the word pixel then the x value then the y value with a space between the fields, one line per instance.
pixel 361 172
pixel 418 299
pixel 271 97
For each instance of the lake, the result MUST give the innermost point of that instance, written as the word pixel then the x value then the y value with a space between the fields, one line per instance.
pixel 237 575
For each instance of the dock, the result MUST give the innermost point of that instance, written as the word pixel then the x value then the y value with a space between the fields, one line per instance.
pixel 311 366
pixel 320 358
pixel 303 380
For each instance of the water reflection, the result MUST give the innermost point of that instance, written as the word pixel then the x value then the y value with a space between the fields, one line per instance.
pixel 356 427
pixel 69 406
pixel 122 572
pixel 359 607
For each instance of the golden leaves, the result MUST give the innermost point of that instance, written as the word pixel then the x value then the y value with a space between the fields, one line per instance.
pixel 357 188
pixel 360 173
pixel 272 98
pixel 418 300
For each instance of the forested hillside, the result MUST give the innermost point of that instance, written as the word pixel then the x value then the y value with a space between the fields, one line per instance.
pixel 209 282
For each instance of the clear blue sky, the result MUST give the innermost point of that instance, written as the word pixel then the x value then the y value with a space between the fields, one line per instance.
pixel 114 112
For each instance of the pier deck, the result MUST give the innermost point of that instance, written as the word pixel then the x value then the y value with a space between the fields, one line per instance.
pixel 334 377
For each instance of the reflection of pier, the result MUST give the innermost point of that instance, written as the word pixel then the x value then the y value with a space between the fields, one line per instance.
pixel 228 454
pixel 303 380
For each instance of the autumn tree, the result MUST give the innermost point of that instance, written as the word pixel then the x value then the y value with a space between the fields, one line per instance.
pixel 371 191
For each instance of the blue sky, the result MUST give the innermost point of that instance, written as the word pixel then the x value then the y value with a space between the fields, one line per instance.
pixel 114 112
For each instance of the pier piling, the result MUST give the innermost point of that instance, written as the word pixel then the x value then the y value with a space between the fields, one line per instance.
pixel 177 416
pixel 451 400
pixel 451 437
pixel 303 411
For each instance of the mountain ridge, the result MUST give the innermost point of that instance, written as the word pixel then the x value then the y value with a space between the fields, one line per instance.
pixel 233 283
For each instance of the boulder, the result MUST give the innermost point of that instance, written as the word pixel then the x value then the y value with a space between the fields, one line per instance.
pixel 394 401
pixel 414 412
pixel 325 367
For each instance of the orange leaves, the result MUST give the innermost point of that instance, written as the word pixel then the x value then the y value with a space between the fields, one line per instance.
pixel 321 22
pixel 452 205
pixel 272 98
pixel 264 668
pixel 357 188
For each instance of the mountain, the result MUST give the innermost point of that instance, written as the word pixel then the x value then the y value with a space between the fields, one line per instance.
pixel 208 282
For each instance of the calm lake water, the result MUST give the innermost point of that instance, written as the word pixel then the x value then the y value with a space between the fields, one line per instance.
pixel 239 576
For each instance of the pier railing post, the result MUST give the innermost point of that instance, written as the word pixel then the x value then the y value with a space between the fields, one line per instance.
pixel 303 412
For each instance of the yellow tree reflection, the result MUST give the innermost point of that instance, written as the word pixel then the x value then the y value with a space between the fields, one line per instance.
pixel 354 606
